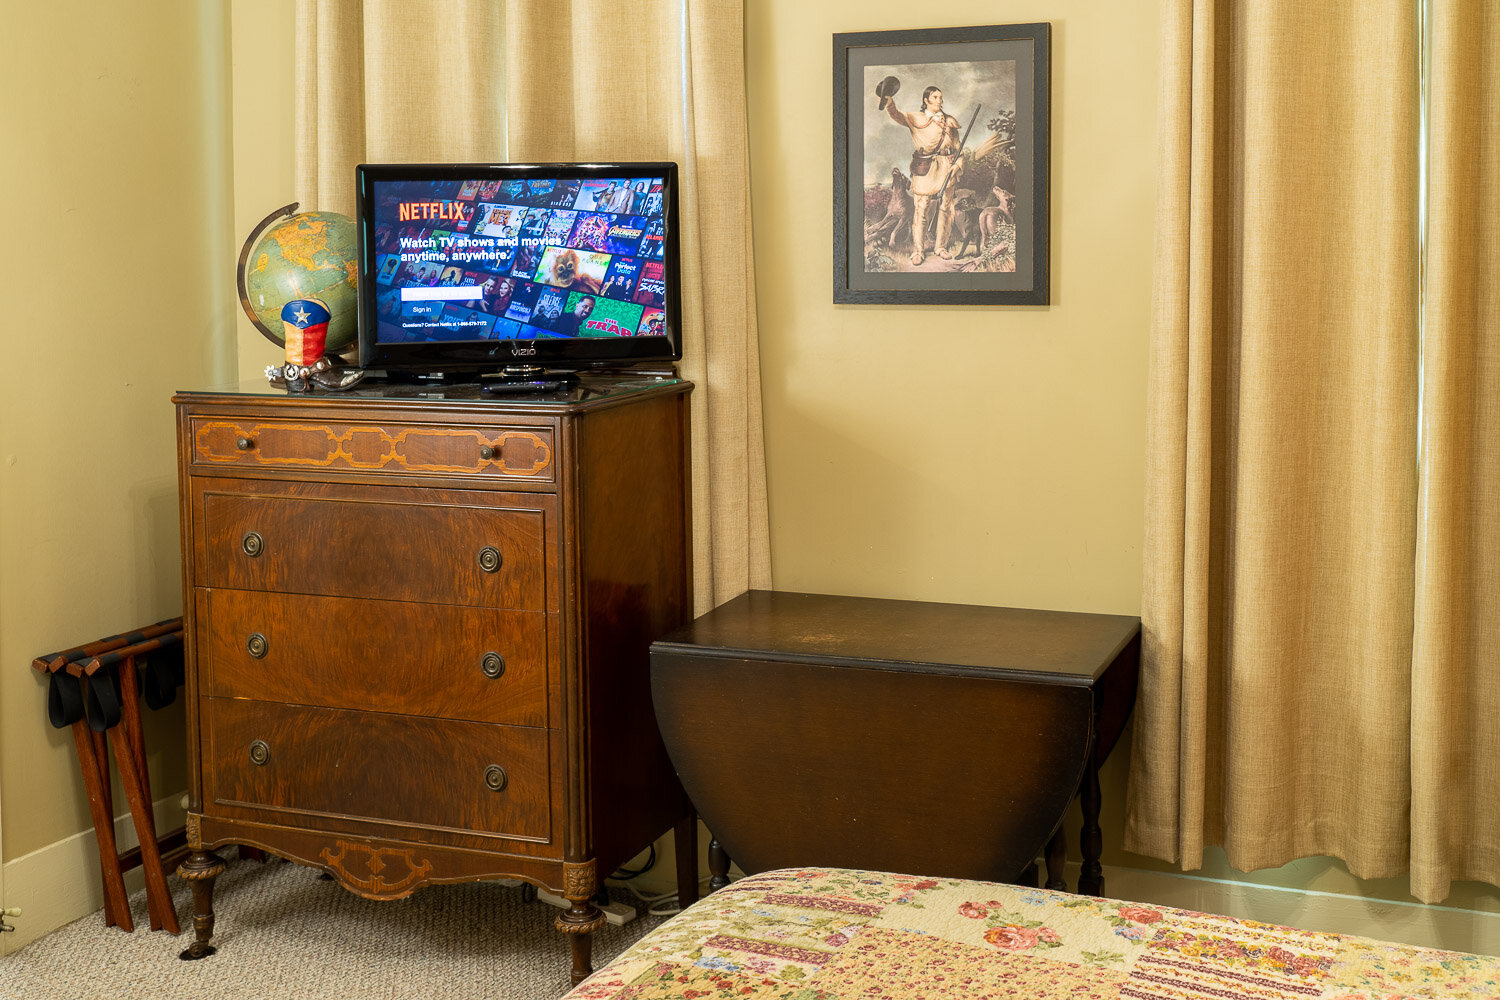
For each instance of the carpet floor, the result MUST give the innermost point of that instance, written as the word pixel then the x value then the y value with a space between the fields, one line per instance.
pixel 283 932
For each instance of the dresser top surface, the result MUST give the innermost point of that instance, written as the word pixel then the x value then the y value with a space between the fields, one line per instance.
pixel 589 392
pixel 1060 647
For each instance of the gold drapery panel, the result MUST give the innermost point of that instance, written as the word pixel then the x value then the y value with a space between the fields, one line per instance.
pixel 1322 579
pixel 478 81
pixel 1455 683
pixel 1274 716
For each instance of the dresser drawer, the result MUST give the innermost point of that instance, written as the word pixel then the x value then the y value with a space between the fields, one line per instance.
pixel 439 553
pixel 480 664
pixel 427 450
pixel 381 768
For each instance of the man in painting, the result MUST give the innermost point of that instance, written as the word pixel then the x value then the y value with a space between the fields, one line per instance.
pixel 934 167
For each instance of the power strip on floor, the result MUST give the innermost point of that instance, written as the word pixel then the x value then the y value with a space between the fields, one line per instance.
pixel 618 914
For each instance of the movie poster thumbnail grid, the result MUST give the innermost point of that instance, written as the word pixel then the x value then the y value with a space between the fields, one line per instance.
pixel 547 258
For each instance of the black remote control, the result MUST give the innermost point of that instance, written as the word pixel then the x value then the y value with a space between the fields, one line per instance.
pixel 542 385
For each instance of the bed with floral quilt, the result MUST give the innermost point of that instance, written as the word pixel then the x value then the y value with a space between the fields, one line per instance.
pixel 835 934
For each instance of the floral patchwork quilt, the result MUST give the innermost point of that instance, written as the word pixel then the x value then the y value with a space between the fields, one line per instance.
pixel 836 934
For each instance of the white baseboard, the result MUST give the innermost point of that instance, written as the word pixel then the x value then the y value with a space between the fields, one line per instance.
pixel 59 883
pixel 1447 927
pixel 1344 910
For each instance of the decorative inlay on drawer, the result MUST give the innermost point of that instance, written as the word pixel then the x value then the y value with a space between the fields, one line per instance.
pixel 426 552
pixel 379 767
pixel 478 664
pixel 512 452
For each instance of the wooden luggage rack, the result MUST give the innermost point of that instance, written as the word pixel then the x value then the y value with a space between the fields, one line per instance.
pixel 96 690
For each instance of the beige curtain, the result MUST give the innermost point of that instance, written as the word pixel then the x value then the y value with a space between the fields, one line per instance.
pixel 524 80
pixel 1456 667
pixel 1274 713
pixel 1322 564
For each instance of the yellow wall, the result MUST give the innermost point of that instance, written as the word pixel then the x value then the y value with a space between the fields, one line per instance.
pixel 991 455
pixel 988 455
pixel 981 455
pixel 984 455
pixel 263 127
pixel 117 243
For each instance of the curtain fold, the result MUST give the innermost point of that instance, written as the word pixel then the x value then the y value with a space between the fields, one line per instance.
pixel 1274 712
pixel 1322 580
pixel 1455 686
pixel 329 114
pixel 532 81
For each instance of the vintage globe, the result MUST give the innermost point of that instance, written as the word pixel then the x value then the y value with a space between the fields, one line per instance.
pixel 302 256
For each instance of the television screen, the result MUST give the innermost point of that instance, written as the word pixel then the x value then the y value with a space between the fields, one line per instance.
pixel 475 267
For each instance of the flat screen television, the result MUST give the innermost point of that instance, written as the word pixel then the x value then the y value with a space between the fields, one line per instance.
pixel 480 268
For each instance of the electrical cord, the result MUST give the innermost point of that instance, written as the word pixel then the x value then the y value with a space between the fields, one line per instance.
pixel 623 874
pixel 661 898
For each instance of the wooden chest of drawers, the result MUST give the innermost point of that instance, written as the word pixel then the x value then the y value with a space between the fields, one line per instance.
pixel 418 624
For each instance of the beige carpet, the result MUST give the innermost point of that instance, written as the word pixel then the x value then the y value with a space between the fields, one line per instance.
pixel 282 932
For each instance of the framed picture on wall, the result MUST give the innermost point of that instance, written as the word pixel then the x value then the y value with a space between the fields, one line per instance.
pixel 940 165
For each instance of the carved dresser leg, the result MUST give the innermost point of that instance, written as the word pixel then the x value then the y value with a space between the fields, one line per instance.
pixel 200 869
pixel 582 918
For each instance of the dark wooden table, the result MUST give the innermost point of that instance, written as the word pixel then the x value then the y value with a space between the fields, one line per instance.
pixel 934 739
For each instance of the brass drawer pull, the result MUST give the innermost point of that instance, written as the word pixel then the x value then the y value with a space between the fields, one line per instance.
pixel 244 443
pixel 488 452
pixel 257 645
pixel 489 559
pixel 260 753
pixel 494 778
pixel 493 665
pixel 252 543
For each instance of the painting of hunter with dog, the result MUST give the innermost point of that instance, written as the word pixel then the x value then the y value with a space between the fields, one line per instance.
pixel 945 154
pixel 959 174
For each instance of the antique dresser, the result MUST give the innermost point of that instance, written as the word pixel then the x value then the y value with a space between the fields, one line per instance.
pixel 418 621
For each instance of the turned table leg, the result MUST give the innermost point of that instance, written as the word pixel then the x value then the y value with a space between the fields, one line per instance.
pixel 1091 843
pixel 718 865
pixel 1057 856
pixel 199 870
pixel 685 837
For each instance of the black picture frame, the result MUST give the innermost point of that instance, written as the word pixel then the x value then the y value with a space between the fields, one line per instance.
pixel 995 81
